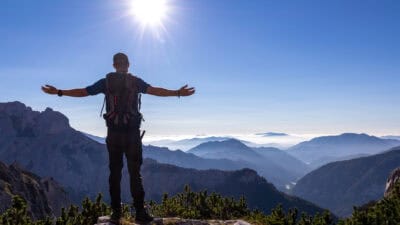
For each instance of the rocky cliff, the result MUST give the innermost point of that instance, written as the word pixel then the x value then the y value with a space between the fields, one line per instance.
pixel 44 196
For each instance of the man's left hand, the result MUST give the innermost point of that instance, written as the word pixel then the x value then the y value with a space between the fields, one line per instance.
pixel 185 91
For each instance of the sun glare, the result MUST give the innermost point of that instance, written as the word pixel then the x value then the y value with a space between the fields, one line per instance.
pixel 149 12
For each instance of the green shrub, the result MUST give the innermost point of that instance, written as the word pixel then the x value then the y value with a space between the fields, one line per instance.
pixel 88 215
pixel 385 211
pixel 18 214
pixel 201 205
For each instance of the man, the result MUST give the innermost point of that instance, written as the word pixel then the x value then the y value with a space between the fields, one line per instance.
pixel 123 122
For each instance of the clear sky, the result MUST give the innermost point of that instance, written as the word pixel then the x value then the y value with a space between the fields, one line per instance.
pixel 301 67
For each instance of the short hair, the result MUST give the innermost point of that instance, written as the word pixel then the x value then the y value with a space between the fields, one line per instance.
pixel 120 59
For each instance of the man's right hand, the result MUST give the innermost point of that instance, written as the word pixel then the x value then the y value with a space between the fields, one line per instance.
pixel 183 91
pixel 49 89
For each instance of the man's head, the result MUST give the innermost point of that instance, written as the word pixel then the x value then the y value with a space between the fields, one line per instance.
pixel 121 62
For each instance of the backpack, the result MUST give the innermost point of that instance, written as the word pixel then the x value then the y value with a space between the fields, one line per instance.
pixel 122 102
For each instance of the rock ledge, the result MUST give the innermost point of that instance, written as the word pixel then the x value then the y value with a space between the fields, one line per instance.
pixel 176 221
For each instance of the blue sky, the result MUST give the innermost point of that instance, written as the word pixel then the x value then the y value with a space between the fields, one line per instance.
pixel 302 67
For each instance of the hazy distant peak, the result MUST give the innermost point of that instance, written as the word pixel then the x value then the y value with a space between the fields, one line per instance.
pixel 321 150
pixel 343 139
pixel 346 137
pixel 267 149
pixel 394 137
pixel 232 142
pixel 211 138
pixel 355 135
pixel 232 149
pixel 273 134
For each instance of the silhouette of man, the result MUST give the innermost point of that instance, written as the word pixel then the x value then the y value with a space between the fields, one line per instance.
pixel 120 141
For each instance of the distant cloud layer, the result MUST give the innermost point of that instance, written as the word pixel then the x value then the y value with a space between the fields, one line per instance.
pixel 272 134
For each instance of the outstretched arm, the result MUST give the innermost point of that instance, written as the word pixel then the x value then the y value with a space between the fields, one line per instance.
pixel 183 91
pixel 79 92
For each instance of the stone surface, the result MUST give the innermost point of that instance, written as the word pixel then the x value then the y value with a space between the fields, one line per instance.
pixel 103 220
pixel 391 181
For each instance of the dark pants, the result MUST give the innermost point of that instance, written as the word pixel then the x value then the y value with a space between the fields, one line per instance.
pixel 118 143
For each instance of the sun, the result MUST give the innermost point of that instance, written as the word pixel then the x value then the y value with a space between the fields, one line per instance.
pixel 149 12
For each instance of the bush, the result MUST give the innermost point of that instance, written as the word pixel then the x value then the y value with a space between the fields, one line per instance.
pixel 385 211
pixel 18 214
pixel 201 205
pixel 88 215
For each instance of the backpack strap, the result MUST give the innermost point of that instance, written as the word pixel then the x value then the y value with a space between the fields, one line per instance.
pixel 102 107
pixel 111 99
pixel 132 89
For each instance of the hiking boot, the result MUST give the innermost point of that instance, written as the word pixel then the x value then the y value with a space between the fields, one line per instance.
pixel 115 218
pixel 143 217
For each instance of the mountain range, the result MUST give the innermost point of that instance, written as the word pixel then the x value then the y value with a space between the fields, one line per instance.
pixel 322 150
pixel 276 165
pixel 44 143
pixel 185 144
pixel 258 192
pixel 341 185
pixel 188 160
pixel 179 158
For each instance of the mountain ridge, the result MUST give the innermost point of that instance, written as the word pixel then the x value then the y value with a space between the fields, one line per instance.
pixel 340 185
pixel 81 165
pixel 264 160
pixel 326 149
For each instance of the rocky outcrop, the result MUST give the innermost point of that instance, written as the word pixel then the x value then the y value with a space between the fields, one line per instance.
pixel 391 182
pixel 21 121
pixel 56 196
pixel 45 144
pixel 44 196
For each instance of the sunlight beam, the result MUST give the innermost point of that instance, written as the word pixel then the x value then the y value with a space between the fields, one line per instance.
pixel 149 12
